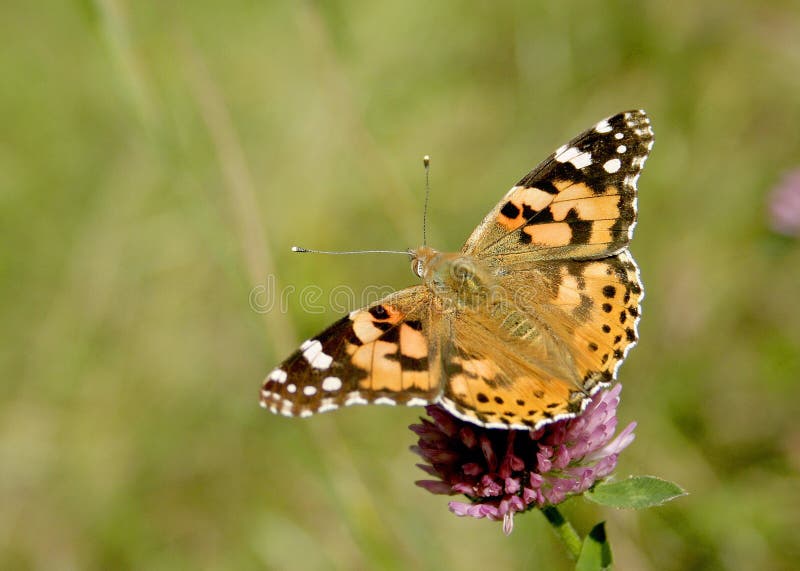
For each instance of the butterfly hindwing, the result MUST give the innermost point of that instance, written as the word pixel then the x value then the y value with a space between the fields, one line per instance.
pixel 501 379
pixel 579 203
pixel 379 354
pixel 557 332
pixel 593 307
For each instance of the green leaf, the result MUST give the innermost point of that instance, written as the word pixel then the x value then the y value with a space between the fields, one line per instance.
pixel 636 492
pixel 595 552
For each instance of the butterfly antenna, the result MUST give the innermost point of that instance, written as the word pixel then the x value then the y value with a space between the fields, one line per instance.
pixel 300 250
pixel 426 160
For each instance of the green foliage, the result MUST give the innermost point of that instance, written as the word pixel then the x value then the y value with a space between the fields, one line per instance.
pixel 595 552
pixel 157 161
pixel 635 492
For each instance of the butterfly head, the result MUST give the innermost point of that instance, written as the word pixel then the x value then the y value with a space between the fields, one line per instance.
pixel 454 278
pixel 421 260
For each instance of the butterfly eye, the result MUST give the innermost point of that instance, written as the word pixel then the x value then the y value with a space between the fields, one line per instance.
pixel 417 268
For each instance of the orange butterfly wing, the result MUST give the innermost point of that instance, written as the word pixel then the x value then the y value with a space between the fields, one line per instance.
pixel 579 203
pixel 380 354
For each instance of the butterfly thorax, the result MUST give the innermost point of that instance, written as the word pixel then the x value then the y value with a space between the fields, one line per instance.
pixel 465 284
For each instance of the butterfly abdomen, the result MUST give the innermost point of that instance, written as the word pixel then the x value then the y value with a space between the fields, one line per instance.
pixel 513 321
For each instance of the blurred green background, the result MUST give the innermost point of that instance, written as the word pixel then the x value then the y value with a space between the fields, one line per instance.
pixel 157 161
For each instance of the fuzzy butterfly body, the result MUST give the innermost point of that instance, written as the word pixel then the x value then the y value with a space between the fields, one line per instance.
pixel 533 315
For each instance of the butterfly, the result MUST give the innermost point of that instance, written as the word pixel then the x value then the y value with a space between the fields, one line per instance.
pixel 519 328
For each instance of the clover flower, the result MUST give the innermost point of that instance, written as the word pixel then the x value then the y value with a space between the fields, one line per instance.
pixel 784 205
pixel 503 472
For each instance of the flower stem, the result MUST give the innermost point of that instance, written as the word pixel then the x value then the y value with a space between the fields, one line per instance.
pixel 564 529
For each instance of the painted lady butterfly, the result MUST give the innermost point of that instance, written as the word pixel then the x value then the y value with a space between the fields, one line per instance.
pixel 533 315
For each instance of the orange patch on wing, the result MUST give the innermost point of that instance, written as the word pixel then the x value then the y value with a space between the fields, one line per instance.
pixel 459 385
pixel 570 190
pixel 593 208
pixel 534 198
pixel 601 231
pixel 483 368
pixel 386 372
pixel 412 342
pixel 365 329
pixel 394 315
pixel 597 270
pixel 361 356
pixel 475 372
pixel 550 234
pixel 509 223
pixel 420 380
pixel 568 292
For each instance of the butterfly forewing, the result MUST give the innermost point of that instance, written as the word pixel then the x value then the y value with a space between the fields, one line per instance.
pixel 579 203
pixel 379 354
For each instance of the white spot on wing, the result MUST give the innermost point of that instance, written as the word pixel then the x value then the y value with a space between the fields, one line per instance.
pixel 621 149
pixel 312 352
pixel 290 388
pixel 322 361
pixel 583 160
pixel 385 400
pixel 563 154
pixel 305 414
pixel 416 402
pixel 574 156
pixel 331 384
pixel 309 390
pixel 618 136
pixel 612 166
pixel 603 127
pixel 354 398
pixel 278 375
pixel 327 405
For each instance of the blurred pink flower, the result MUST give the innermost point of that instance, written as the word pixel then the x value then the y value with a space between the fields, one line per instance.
pixel 503 472
pixel 784 205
